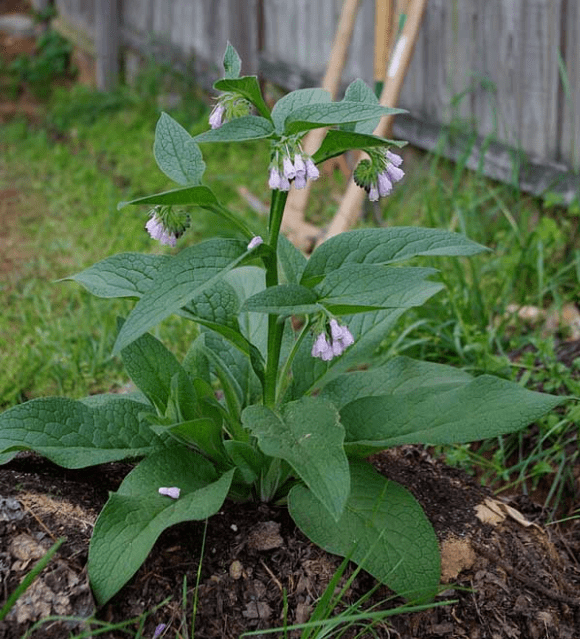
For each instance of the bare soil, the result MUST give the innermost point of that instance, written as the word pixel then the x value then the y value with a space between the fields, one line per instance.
pixel 508 575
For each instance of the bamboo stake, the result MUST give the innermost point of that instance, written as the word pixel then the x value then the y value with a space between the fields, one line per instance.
pixel 298 231
pixel 351 205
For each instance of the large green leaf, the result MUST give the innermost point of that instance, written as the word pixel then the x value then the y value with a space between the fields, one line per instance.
pixel 247 281
pixel 383 246
pixel 176 154
pixel 313 116
pixel 359 91
pixel 285 299
pixel 483 407
pixel 122 275
pixel 186 276
pixel 290 260
pixel 294 101
pixel 248 127
pixel 135 516
pixel 401 375
pixel 336 142
pixel 248 87
pixel 308 435
pixel 383 528
pixel 152 366
pixel 375 286
pixel 188 195
pixel 74 435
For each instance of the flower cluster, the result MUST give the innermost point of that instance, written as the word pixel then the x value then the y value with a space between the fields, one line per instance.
pixel 228 106
pixel 166 225
pixel 378 174
pixel 341 339
pixel 289 163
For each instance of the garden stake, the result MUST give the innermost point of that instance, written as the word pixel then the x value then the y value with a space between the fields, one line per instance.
pixel 351 205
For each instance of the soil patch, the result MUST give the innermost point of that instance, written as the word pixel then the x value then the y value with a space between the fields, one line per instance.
pixel 508 575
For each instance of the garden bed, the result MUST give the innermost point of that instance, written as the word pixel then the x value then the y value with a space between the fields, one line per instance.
pixel 508 575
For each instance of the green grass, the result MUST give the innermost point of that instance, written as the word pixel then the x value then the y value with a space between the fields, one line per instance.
pixel 95 150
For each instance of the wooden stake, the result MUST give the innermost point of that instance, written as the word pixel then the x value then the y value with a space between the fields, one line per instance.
pixel 351 205
pixel 302 234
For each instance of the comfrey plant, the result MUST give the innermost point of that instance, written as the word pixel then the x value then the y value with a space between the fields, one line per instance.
pixel 272 401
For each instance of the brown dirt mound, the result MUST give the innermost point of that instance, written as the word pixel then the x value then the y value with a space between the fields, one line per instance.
pixel 508 575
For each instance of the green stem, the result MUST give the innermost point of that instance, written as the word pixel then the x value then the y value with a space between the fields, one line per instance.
pixel 275 327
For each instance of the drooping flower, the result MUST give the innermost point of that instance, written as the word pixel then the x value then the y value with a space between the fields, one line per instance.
pixel 290 165
pixel 166 224
pixel 255 241
pixel 322 348
pixel 216 116
pixel 341 339
pixel 289 170
pixel 378 174
pixel 172 492
pixel 157 230
pixel 393 158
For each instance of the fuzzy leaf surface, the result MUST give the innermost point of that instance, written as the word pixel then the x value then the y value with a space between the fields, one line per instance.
pixel 382 525
pixel 248 127
pixel 336 142
pixel 483 407
pixel 308 435
pixel 232 62
pixel 74 435
pixel 135 516
pixel 401 375
pixel 291 261
pixel 359 91
pixel 314 116
pixel 384 246
pixel 285 299
pixel 151 366
pixel 375 286
pixel 296 100
pixel 188 195
pixel 176 154
pixel 186 276
pixel 122 275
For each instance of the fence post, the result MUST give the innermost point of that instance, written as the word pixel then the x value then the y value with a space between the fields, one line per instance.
pixel 107 44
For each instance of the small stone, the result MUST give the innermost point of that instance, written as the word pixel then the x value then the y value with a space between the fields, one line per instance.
pixel 236 569
pixel 265 536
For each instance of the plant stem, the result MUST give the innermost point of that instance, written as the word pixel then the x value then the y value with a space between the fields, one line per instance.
pixel 275 328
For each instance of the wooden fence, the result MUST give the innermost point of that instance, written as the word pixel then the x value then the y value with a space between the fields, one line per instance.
pixel 505 70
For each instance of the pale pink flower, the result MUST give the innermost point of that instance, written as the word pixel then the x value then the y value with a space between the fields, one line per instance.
pixel 385 185
pixel 394 173
pixel 216 116
pixel 322 348
pixel 158 232
pixel 289 170
pixel 393 158
pixel 172 492
pixel 255 241
pixel 374 193
pixel 312 172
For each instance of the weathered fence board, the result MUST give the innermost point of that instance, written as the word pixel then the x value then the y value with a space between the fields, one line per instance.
pixel 489 66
